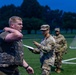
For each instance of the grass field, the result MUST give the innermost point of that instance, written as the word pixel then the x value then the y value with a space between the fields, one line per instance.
pixel 33 59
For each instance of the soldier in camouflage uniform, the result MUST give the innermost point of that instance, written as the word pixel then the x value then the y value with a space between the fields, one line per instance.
pixel 60 49
pixel 11 48
pixel 46 50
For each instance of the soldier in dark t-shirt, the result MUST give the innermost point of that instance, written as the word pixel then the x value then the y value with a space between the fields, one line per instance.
pixel 11 48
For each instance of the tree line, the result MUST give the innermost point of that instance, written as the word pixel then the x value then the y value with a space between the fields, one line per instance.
pixel 34 15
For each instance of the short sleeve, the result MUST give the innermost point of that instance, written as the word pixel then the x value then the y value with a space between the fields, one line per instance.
pixel 3 35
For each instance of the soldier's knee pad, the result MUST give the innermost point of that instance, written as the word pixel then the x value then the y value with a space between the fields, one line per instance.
pixel 46 67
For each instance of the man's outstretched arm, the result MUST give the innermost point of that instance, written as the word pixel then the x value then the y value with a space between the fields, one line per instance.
pixel 27 67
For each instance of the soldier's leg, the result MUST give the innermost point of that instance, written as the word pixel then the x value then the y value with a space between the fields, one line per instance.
pixel 46 69
pixel 59 64
pixel 56 61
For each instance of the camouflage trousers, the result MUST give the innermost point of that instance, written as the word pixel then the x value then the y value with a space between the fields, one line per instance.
pixel 58 60
pixel 46 69
pixel 9 71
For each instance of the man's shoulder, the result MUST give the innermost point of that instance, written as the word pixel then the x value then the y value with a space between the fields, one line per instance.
pixel 3 34
pixel 61 35
pixel 1 31
pixel 51 38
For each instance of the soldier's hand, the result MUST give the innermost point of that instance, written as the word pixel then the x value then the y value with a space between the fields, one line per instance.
pixel 36 43
pixel 58 51
pixel 65 52
pixel 30 70
pixel 6 29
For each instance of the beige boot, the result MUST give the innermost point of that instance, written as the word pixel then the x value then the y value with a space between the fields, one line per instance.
pixel 58 71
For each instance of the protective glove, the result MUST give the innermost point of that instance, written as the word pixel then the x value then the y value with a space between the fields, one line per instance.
pixel 30 49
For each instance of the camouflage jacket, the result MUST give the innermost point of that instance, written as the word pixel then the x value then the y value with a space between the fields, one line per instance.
pixel 46 50
pixel 61 43
pixel 11 53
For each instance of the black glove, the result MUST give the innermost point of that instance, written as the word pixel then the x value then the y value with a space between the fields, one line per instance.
pixel 30 49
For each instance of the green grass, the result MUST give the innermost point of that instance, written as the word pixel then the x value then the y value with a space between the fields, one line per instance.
pixel 33 59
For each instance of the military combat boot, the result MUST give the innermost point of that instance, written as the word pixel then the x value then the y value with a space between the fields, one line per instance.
pixel 58 70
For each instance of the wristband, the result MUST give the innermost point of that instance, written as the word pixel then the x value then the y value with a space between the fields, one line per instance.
pixel 26 67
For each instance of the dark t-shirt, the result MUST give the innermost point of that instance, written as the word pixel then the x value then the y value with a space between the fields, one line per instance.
pixel 11 53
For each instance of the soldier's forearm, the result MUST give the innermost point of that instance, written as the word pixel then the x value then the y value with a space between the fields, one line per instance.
pixel 24 63
pixel 45 49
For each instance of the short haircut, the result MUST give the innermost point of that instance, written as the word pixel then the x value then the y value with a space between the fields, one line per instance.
pixel 13 19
